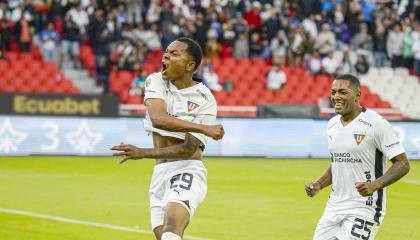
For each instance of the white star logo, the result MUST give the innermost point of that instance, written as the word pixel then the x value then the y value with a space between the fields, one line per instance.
pixel 10 138
pixel 83 140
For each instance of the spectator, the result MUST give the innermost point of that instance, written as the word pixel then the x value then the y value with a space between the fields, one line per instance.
pixel 340 30
pixel 408 47
pixel 252 16
pixel 279 46
pixel 79 17
pixel 138 85
pixel 325 42
pixel 330 65
pixel 346 66
pixel 241 49
pixel 49 43
pixel 416 49
pixel 362 37
pixel 6 27
pixel 314 64
pixel 265 51
pixel 379 45
pixel 310 26
pixel 213 47
pixel 168 36
pixel 211 78
pixel 275 78
pixel 394 45
pixel 361 66
pixel 297 46
pixel 271 26
pixel 255 46
pixel 153 12
pixel 134 11
pixel 122 52
pixel 25 35
pixel 71 43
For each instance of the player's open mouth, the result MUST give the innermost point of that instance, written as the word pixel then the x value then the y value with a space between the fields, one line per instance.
pixel 164 67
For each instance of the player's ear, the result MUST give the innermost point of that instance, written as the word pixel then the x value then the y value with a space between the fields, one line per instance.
pixel 358 94
pixel 190 66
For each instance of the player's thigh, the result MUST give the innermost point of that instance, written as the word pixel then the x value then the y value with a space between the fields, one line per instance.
pixel 176 218
pixel 188 188
pixel 357 227
pixel 327 228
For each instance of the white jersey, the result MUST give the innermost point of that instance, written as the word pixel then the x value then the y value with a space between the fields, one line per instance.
pixel 359 152
pixel 194 104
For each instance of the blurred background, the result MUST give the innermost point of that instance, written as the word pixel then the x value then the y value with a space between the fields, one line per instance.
pixel 72 80
pixel 268 63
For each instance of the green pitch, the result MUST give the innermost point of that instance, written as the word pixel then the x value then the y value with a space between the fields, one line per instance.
pixel 247 199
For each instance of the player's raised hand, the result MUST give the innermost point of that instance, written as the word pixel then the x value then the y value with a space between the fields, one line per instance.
pixel 128 151
pixel 366 188
pixel 214 131
pixel 312 188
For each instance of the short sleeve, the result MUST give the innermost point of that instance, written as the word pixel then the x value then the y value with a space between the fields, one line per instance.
pixel 155 87
pixel 386 140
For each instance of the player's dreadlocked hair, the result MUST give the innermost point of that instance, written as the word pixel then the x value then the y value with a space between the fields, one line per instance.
pixel 354 81
pixel 194 49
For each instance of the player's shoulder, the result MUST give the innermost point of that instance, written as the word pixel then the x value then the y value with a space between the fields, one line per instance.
pixel 371 117
pixel 154 78
pixel 206 93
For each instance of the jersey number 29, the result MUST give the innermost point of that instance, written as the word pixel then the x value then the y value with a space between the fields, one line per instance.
pixel 185 178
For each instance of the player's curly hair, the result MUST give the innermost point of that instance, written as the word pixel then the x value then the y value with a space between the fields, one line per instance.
pixel 194 49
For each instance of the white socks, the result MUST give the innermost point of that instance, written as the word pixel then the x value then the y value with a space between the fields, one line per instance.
pixel 170 236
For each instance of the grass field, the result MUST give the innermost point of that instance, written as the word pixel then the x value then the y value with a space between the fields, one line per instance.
pixel 247 199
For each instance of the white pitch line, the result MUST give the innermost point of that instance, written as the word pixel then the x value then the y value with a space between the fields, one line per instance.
pixel 87 223
pixel 412 181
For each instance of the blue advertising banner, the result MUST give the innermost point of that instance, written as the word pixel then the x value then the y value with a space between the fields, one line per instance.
pixel 290 138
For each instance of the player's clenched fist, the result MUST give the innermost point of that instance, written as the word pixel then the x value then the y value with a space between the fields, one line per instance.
pixel 312 188
pixel 214 131
pixel 366 188
pixel 128 151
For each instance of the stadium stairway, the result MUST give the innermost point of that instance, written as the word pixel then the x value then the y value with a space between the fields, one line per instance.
pixel 397 86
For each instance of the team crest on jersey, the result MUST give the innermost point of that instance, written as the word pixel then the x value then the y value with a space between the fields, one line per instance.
pixel 148 82
pixel 192 106
pixel 359 138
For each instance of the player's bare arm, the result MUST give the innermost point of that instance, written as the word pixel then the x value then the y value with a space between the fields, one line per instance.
pixel 324 181
pixel 400 167
pixel 180 151
pixel 162 120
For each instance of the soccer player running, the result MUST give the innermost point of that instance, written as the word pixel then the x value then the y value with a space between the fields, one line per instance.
pixel 360 141
pixel 181 113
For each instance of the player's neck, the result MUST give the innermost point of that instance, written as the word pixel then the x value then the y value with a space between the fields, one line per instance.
pixel 184 82
pixel 346 119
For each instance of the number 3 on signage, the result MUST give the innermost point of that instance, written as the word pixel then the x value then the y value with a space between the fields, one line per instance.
pixel 51 135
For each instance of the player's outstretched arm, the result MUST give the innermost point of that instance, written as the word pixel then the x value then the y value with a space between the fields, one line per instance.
pixel 181 151
pixel 325 180
pixel 162 120
pixel 400 167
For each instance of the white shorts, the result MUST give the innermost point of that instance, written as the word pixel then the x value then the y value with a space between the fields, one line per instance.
pixel 345 227
pixel 183 181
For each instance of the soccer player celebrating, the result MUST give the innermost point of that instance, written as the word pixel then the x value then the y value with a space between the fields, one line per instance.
pixel 177 108
pixel 360 142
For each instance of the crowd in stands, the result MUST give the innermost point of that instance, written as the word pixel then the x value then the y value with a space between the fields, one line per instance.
pixel 322 36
